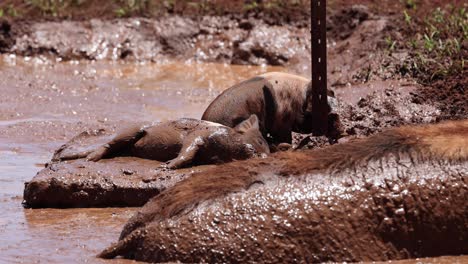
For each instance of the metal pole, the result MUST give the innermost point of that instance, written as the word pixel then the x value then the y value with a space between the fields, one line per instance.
pixel 319 66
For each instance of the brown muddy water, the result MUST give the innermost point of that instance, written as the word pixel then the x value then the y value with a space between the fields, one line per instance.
pixel 45 102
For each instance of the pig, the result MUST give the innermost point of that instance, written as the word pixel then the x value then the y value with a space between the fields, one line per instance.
pixel 281 101
pixel 187 141
pixel 398 193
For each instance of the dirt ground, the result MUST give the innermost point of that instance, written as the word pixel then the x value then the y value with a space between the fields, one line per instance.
pixel 60 77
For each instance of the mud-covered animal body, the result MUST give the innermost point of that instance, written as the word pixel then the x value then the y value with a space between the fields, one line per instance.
pixel 281 101
pixel 398 194
pixel 187 141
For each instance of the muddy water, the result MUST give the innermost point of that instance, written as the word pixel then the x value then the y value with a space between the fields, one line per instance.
pixel 48 235
pixel 45 102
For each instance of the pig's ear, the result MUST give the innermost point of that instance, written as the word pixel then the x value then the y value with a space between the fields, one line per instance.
pixel 248 124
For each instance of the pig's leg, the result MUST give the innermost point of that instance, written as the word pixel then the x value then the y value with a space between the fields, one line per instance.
pixel 72 156
pixel 189 149
pixel 123 140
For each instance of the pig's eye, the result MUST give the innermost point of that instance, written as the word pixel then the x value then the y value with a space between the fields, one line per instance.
pixel 260 142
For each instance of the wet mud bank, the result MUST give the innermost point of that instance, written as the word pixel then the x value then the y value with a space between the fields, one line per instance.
pixel 397 194
pixel 207 38
pixel 116 182
pixel 228 39
pixel 120 182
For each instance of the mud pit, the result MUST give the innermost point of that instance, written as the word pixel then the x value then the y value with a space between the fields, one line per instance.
pixel 46 101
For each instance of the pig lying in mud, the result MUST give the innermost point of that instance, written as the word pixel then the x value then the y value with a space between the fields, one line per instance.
pixel 398 194
pixel 184 142
pixel 281 101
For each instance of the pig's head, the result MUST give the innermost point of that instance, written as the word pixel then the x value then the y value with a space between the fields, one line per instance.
pixel 251 136
pixel 310 122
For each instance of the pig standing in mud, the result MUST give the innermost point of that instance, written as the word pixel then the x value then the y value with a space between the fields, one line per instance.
pixel 281 101
pixel 186 141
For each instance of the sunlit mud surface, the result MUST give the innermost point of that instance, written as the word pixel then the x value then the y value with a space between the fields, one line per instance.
pixel 44 103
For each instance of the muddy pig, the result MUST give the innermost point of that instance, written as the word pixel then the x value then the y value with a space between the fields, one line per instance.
pixel 398 194
pixel 281 101
pixel 186 141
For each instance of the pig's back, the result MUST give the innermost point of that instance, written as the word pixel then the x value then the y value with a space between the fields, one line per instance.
pixel 238 102
pixel 163 141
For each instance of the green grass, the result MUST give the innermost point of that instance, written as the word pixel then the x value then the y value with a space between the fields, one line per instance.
pixel 410 4
pixel 390 43
pixel 436 45
pixel 407 17
pixel 50 7
pixel 9 10
pixel 250 6
pixel 130 7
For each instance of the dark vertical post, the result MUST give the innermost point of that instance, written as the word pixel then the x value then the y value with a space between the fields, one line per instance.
pixel 319 66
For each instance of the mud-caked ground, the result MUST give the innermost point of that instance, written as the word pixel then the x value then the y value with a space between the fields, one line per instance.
pixel 59 78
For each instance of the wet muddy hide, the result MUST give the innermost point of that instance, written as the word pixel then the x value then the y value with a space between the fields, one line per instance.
pixel 114 182
pixel 398 194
